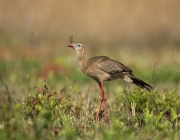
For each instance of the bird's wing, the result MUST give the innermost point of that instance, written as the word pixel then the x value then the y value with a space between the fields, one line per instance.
pixel 108 65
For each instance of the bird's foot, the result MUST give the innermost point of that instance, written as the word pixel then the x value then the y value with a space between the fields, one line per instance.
pixel 99 115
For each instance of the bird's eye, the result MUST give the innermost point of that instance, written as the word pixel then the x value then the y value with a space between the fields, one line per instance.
pixel 78 45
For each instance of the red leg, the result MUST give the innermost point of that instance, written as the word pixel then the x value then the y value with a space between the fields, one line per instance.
pixel 105 109
pixel 102 98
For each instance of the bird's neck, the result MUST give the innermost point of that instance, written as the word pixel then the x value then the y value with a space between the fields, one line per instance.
pixel 81 58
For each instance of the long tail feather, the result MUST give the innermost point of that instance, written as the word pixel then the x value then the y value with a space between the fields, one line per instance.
pixel 141 83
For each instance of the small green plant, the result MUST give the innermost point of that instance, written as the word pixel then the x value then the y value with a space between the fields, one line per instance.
pixel 48 110
pixel 47 114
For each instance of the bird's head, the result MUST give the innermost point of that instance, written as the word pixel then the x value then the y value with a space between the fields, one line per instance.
pixel 78 47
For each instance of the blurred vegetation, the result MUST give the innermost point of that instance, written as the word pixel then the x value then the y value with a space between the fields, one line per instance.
pixel 99 24
pixel 43 94
pixel 47 114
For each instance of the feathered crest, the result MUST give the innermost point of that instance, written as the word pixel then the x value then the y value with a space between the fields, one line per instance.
pixel 73 39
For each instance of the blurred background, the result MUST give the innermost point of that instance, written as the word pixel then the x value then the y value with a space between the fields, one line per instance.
pixel 99 24
pixel 144 35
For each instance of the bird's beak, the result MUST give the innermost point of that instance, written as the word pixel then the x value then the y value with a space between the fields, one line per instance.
pixel 70 45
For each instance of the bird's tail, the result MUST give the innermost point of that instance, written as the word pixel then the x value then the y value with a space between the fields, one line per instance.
pixel 141 83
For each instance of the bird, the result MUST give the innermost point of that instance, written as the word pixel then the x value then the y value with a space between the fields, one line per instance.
pixel 103 68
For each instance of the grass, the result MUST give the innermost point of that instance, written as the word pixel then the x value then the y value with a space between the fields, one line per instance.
pixel 133 114
pixel 63 105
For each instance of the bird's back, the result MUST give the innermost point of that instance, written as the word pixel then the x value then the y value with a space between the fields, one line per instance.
pixel 103 68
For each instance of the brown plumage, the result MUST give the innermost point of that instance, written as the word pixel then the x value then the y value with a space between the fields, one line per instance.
pixel 103 68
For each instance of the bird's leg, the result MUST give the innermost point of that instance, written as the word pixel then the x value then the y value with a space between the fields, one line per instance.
pixel 102 98
pixel 99 110
pixel 105 108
